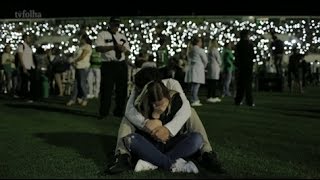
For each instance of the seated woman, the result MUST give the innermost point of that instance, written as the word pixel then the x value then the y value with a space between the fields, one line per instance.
pixel 155 150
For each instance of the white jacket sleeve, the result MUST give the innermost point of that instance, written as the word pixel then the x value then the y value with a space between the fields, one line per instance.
pixel 184 112
pixel 218 57
pixel 100 39
pixel 4 58
pixel 132 114
pixel 204 57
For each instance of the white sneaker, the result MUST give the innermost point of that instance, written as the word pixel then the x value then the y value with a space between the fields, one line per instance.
pixel 144 166
pixel 209 99
pixel 191 167
pixel 196 103
pixel 214 100
pixel 69 103
pixel 84 103
pixel 183 166
pixel 79 100
pixel 90 96
pixel 30 101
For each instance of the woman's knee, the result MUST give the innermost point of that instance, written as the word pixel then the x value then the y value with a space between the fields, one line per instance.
pixel 131 139
pixel 197 139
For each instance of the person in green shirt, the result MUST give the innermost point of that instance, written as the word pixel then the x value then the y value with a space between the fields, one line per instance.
pixel 228 68
pixel 94 75
pixel 162 54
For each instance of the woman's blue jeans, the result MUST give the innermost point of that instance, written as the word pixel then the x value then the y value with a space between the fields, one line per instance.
pixel 163 155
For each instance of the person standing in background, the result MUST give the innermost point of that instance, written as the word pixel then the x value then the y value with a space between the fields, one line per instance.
pixel 244 55
pixel 113 46
pixel 82 64
pixel 162 53
pixel 277 51
pixel 27 68
pixel 7 60
pixel 195 75
pixel 277 48
pixel 94 77
pixel 213 75
pixel 228 68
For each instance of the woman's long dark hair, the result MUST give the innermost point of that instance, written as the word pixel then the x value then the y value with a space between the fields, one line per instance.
pixel 145 75
pixel 86 38
pixel 155 91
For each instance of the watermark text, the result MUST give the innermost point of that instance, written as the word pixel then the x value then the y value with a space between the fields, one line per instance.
pixel 27 14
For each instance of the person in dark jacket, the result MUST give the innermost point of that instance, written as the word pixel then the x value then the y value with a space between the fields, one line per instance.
pixel 244 55
pixel 277 49
pixel 295 70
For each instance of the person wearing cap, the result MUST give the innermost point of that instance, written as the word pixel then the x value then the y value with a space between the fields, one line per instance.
pixel 113 46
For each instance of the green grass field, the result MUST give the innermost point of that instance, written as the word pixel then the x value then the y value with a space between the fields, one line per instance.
pixel 279 138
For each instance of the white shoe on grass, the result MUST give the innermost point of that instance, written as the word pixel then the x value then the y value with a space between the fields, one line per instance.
pixel 69 103
pixel 183 166
pixel 214 100
pixel 144 166
pixel 196 103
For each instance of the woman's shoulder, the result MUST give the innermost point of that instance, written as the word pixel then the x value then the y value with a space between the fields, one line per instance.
pixel 104 34
pixel 4 54
pixel 87 47
pixel 170 83
pixel 216 50
pixel 176 101
pixel 7 54
pixel 175 95
pixel 197 48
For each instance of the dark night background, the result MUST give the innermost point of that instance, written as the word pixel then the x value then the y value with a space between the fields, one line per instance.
pixel 92 8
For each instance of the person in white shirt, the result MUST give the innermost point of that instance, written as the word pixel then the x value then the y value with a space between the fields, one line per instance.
pixel 213 74
pixel 196 72
pixel 9 67
pixel 27 69
pixel 82 64
pixel 186 117
pixel 114 47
